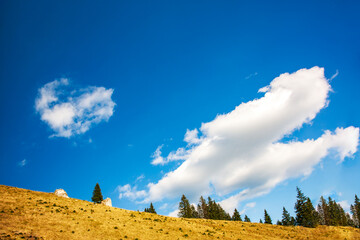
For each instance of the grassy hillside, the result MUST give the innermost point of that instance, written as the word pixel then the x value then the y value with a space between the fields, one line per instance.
pixel 37 215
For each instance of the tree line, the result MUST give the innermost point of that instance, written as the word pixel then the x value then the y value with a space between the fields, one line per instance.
pixel 208 210
pixel 328 212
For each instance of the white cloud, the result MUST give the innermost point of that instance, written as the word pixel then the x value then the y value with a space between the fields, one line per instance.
pixel 127 191
pixel 251 75
pixel 240 154
pixel 246 207
pixel 191 137
pixel 164 206
pixel 71 112
pixel 335 75
pixel 174 213
pixel 345 205
pixel 22 163
pixel 157 158
pixel 139 178
pixel 264 89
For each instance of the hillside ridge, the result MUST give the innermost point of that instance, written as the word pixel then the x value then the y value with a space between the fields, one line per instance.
pixel 26 214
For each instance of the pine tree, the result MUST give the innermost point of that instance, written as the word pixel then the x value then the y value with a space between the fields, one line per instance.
pixel 323 210
pixel 278 223
pixel 349 220
pixel 184 208
pixel 267 218
pixel 292 221
pixel 343 219
pixel 286 218
pixel 203 208
pixel 222 214
pixel 311 216
pixel 194 213
pixel 354 216
pixel 300 207
pixel 306 215
pixel 97 196
pixel 212 209
pixel 355 210
pixel 236 216
pixel 151 209
pixel 260 221
pixel 246 219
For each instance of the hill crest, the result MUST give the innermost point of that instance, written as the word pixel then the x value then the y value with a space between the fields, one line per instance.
pixel 38 215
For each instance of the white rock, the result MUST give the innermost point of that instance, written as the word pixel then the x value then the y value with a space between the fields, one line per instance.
pixel 107 202
pixel 61 193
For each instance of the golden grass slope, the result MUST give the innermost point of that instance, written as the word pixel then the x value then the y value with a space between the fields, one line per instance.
pixel 37 215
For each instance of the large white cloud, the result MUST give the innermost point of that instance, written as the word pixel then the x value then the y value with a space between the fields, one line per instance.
pixel 239 154
pixel 69 112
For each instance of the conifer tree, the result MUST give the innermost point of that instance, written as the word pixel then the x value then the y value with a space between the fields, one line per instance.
pixel 343 219
pixel 194 213
pixel 246 219
pixel 267 218
pixel 236 216
pixel 311 216
pixel 292 221
pixel 300 207
pixel 337 216
pixel 260 221
pixel 306 215
pixel 323 210
pixel 151 209
pixel 184 208
pixel 286 218
pixel 349 220
pixel 355 210
pixel 97 196
pixel 278 223
pixel 212 209
pixel 354 216
pixel 203 208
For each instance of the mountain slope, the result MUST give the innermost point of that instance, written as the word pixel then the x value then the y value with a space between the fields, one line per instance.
pixel 37 215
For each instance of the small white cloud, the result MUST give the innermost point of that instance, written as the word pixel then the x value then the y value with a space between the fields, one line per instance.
pixel 157 158
pixel 251 75
pixel 164 206
pixel 345 205
pixel 71 112
pixel 174 213
pixel 264 89
pixel 246 207
pixel 335 75
pixel 127 191
pixel 191 136
pixel 179 154
pixel 22 163
pixel 139 178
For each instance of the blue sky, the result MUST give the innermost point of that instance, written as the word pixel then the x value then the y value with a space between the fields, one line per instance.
pixel 161 68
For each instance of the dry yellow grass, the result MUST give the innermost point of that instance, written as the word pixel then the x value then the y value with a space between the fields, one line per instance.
pixel 37 215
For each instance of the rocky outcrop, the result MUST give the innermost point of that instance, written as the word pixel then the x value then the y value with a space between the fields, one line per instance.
pixel 61 193
pixel 107 202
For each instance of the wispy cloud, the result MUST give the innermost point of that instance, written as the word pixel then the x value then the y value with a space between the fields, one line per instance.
pixel 139 178
pixel 335 75
pixel 247 207
pixel 345 205
pixel 240 154
pixel 129 192
pixel 251 75
pixel 22 163
pixel 69 111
